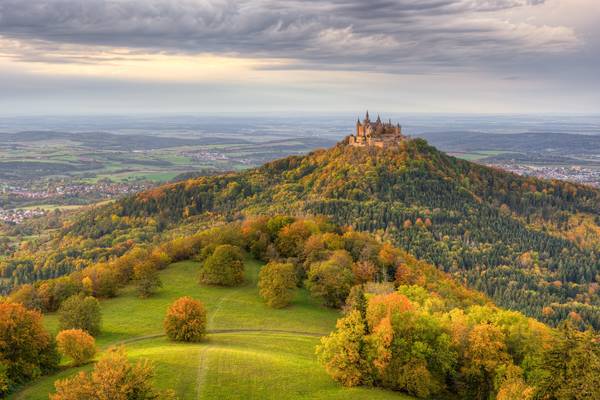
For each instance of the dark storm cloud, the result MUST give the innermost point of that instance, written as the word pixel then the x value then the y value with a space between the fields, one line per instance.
pixel 401 35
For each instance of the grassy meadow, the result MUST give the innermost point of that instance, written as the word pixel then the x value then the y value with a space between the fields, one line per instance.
pixel 254 352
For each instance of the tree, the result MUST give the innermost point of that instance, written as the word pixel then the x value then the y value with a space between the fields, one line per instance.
pixel 276 283
pixel 80 312
pixel 330 282
pixel 26 349
pixel 484 355
pixel 364 271
pixel 343 351
pixel 571 366
pixel 77 344
pixel 186 320
pixel 28 296
pixel 146 278
pixel 224 267
pixel 114 378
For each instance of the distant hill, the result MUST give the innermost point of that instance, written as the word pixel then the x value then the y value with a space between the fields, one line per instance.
pixel 529 244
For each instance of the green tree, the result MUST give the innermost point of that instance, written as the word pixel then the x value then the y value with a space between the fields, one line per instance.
pixel 331 282
pixel 571 366
pixel 80 312
pixel 147 280
pixel 225 267
pixel 276 283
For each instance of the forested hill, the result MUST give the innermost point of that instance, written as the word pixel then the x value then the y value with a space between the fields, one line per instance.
pixel 527 243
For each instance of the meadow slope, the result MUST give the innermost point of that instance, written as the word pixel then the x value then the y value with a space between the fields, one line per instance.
pixel 252 352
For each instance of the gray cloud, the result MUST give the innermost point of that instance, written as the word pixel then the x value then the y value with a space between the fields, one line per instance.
pixel 388 35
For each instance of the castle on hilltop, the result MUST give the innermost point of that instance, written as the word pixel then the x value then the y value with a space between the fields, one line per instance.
pixel 377 134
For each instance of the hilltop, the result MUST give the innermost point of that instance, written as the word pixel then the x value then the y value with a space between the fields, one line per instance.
pixel 528 243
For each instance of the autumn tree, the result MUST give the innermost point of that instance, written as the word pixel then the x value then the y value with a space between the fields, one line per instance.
pixel 26 349
pixel 343 351
pixel 147 280
pixel 76 344
pixel 113 377
pixel 330 281
pixel 80 312
pixel 485 355
pixel 364 271
pixel 291 238
pixel 571 366
pixel 28 296
pixel 186 320
pixel 225 267
pixel 276 283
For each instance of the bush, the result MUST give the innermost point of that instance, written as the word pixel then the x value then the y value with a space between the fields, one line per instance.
pixel 76 344
pixel 113 377
pixel 276 283
pixel 224 267
pixel 186 320
pixel 80 312
pixel 26 349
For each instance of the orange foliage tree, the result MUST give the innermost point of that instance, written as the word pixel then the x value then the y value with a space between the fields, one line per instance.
pixel 26 349
pixel 77 344
pixel 186 320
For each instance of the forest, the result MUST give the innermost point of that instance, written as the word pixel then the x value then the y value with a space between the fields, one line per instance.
pixel 529 244
pixel 404 325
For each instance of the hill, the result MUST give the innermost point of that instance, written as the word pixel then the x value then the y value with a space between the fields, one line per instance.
pixel 253 352
pixel 529 244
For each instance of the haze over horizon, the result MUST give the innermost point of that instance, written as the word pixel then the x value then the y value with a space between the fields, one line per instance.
pixel 73 57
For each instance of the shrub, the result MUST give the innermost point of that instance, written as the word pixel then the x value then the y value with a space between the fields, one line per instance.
pixel 80 312
pixel 276 283
pixel 186 320
pixel 224 267
pixel 26 349
pixel 76 344
pixel 113 377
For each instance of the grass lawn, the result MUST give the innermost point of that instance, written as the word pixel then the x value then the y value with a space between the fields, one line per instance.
pixel 241 365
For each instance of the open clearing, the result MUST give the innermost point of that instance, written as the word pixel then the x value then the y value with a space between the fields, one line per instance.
pixel 252 352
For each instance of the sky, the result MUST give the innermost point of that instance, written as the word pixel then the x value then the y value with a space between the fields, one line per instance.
pixel 63 57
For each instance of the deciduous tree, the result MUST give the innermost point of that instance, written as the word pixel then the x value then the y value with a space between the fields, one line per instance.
pixel 276 283
pixel 81 312
pixel 186 320
pixel 77 344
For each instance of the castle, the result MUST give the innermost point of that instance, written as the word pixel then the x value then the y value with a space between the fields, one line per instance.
pixel 378 134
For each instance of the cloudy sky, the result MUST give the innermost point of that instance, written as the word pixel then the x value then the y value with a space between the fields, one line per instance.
pixel 436 56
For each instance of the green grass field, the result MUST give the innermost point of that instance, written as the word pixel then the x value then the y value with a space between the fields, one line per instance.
pixel 250 364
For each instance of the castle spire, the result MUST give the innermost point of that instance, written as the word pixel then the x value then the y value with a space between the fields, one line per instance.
pixel 378 119
pixel 367 116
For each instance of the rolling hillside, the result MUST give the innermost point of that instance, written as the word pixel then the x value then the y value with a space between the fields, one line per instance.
pixel 529 244
pixel 252 352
